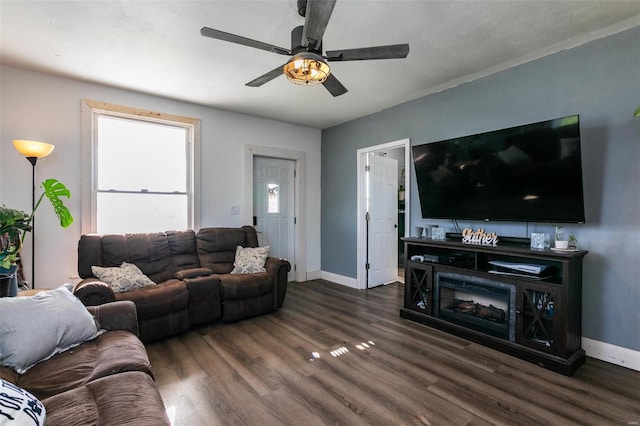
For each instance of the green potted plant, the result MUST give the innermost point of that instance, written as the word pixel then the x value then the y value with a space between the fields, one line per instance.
pixel 14 225
pixel 637 113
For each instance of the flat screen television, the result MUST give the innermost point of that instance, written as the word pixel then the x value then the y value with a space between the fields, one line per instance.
pixel 529 173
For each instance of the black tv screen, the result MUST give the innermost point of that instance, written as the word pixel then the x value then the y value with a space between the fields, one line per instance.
pixel 530 173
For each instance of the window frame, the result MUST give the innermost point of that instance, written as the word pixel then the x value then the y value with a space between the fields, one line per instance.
pixel 90 111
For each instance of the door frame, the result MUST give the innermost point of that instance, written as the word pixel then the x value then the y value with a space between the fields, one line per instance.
pixel 361 196
pixel 300 201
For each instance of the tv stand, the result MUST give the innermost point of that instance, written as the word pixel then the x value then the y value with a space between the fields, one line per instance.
pixel 463 289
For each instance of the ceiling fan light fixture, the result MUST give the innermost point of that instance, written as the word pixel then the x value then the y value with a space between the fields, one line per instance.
pixel 307 68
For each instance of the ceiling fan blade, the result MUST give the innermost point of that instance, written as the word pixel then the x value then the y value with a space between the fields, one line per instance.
pixel 394 51
pixel 265 78
pixel 315 22
pixel 333 85
pixel 232 38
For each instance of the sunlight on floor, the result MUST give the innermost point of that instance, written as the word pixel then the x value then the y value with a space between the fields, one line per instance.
pixel 344 350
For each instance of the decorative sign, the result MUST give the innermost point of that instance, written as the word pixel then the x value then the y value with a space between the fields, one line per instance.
pixel 479 237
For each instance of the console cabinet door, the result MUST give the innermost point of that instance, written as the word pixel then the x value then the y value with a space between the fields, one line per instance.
pixel 419 285
pixel 539 319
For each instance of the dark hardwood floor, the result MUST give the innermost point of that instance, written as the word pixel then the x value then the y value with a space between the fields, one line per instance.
pixel 334 355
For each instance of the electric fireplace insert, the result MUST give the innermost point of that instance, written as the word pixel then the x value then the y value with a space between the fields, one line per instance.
pixel 476 303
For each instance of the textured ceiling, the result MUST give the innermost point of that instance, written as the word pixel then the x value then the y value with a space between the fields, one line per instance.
pixel 155 47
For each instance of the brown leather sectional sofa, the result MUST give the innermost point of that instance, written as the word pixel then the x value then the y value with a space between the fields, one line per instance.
pixel 105 381
pixel 192 275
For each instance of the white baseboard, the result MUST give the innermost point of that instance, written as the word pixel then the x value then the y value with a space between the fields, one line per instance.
pixel 611 353
pixel 314 275
pixel 339 279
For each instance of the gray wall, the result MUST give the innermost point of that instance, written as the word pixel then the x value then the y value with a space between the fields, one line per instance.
pixel 601 82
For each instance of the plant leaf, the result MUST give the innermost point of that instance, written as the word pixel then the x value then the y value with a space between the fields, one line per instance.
pixel 637 113
pixel 53 190
pixel 12 221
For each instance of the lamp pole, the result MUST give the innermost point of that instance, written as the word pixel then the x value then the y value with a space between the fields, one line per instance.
pixel 33 161
pixel 32 150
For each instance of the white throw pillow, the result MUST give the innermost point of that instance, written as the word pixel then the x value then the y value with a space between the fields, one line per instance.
pixel 33 329
pixel 18 407
pixel 125 277
pixel 250 260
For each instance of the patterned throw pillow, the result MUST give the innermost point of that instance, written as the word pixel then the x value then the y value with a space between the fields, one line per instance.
pixel 19 407
pixel 250 260
pixel 126 277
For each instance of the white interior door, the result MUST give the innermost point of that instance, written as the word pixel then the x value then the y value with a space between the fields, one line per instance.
pixel 273 206
pixel 382 202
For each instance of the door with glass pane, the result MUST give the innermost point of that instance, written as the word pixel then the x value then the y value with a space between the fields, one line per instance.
pixel 273 206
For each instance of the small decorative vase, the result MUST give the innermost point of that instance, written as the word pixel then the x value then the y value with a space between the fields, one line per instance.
pixel 562 244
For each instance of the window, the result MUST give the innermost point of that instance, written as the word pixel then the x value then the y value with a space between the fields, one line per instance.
pixel 142 171
pixel 273 190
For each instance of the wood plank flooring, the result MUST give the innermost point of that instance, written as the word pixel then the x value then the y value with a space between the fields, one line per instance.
pixel 334 355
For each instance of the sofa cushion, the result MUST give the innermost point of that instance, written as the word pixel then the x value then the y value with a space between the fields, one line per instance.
pixel 182 245
pixel 250 260
pixel 18 407
pixel 129 398
pixel 126 277
pixel 217 247
pixel 110 353
pixel 149 252
pixel 153 301
pixel 35 328
pixel 9 375
pixel 246 286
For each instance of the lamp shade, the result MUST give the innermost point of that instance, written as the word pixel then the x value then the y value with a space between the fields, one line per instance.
pixel 33 148
pixel 307 68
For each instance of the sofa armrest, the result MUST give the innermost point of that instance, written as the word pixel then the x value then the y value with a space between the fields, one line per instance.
pixel 92 292
pixel 278 269
pixel 276 266
pixel 192 273
pixel 121 315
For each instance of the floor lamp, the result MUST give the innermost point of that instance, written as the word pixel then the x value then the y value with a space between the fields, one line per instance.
pixel 33 150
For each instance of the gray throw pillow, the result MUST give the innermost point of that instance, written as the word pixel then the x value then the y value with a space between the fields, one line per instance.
pixel 125 277
pixel 33 329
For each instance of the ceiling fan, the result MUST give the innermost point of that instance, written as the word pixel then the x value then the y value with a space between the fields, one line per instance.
pixel 307 64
